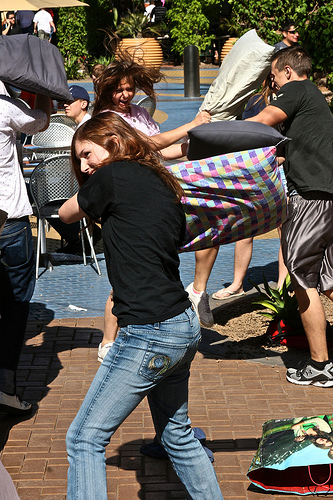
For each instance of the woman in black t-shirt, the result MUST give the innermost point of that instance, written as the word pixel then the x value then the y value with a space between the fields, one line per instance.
pixel 115 90
pixel 124 183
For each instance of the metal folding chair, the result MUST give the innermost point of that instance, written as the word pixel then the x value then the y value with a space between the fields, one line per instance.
pixel 51 183
pixel 148 103
pixel 23 102
pixel 65 120
pixel 55 140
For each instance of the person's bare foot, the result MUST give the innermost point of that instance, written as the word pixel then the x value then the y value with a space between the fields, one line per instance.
pixel 227 293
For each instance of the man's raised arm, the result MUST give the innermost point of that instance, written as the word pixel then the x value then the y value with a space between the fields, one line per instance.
pixel 271 115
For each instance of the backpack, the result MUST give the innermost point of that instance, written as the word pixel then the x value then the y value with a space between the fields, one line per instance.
pixel 291 333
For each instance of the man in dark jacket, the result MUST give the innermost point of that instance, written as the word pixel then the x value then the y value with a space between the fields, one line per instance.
pixel 159 12
pixel 25 20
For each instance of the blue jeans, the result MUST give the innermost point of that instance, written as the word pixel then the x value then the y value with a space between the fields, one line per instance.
pixel 17 283
pixel 146 360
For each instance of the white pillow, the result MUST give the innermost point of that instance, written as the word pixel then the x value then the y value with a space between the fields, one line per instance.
pixel 242 71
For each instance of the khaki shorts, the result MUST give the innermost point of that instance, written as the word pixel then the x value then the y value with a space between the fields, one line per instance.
pixel 307 242
pixel 43 35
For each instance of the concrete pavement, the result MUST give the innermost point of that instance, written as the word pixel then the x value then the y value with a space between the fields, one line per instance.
pixel 229 398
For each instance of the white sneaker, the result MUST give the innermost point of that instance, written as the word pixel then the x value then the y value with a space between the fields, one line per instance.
pixel 102 351
pixel 307 374
pixel 200 302
pixel 13 404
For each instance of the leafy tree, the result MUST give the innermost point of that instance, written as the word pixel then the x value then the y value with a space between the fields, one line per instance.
pixel 265 16
pixel 189 23
pixel 81 33
pixel 314 19
pixel 72 39
pixel 317 37
pixel 99 20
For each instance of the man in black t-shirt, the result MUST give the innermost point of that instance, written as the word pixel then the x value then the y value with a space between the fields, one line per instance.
pixel 307 235
pixel 12 28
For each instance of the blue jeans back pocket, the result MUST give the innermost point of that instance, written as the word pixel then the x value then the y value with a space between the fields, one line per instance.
pixel 159 358
pixel 14 248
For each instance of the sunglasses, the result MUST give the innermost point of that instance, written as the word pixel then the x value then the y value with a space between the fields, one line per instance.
pixel 11 18
pixel 292 31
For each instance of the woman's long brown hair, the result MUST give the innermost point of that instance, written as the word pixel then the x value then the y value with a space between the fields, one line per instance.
pixel 143 78
pixel 123 143
pixel 265 93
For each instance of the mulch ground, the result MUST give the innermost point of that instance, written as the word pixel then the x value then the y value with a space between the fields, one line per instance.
pixel 245 327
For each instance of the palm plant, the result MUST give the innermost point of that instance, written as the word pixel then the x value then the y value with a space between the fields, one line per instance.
pixel 232 27
pixel 280 302
pixel 136 25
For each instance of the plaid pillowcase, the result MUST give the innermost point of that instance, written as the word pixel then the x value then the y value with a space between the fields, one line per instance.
pixel 230 197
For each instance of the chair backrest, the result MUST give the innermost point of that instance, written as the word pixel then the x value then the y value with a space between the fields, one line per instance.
pixel 23 102
pixel 60 118
pixel 57 134
pixel 53 180
pixel 148 103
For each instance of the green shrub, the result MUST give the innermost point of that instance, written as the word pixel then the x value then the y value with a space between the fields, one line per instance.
pixel 81 32
pixel 99 21
pixel 280 302
pixel 72 40
pixel 317 37
pixel 314 19
pixel 106 60
pixel 189 24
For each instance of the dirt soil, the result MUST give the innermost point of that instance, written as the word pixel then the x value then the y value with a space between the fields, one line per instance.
pixel 244 327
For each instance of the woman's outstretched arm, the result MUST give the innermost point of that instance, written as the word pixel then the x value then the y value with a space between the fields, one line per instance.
pixel 160 141
pixel 70 211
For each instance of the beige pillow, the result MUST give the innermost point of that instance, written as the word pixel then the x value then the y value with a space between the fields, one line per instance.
pixel 242 71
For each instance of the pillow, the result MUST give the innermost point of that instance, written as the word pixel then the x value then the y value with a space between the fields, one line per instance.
pixel 34 65
pixel 242 71
pixel 217 138
pixel 230 197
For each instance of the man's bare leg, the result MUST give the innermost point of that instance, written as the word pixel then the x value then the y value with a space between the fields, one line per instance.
pixel 318 370
pixel 329 294
pixel 314 322
pixel 283 271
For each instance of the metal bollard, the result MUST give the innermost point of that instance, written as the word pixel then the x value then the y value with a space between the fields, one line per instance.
pixel 191 71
